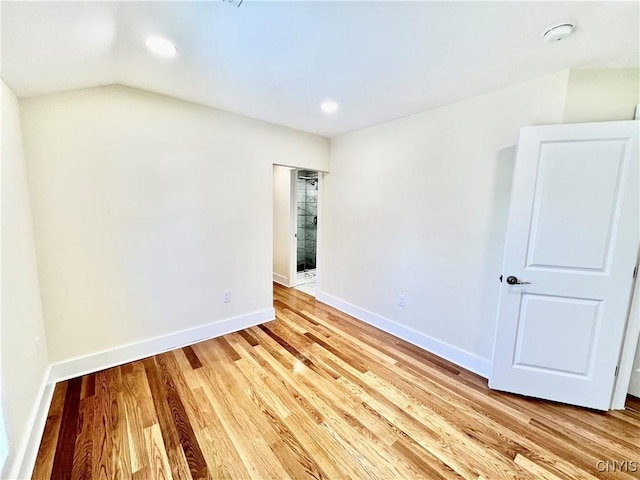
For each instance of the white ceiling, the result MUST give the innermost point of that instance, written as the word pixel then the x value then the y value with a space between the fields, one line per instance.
pixel 277 61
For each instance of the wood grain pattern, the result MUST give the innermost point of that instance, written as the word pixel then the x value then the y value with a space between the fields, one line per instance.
pixel 318 394
pixel 65 447
pixel 194 361
pixel 47 450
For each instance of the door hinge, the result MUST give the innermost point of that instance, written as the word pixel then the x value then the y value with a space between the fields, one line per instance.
pixel 635 271
pixel 616 372
pixel 500 278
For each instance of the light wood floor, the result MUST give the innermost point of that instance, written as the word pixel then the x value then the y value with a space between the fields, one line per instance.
pixel 317 394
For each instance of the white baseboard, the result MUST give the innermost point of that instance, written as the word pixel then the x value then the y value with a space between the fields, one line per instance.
pixel 25 456
pixel 281 279
pixel 135 351
pixel 462 358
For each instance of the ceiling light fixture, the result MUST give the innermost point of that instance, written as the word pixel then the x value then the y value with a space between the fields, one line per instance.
pixel 557 32
pixel 329 107
pixel 161 46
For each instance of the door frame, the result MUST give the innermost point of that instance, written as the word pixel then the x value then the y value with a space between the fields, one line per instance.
pixel 293 258
pixel 631 338
pixel 319 231
pixel 629 348
pixel 287 280
pixel 293 227
pixel 292 240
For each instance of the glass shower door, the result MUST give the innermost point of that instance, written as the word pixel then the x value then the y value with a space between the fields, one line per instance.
pixel 307 209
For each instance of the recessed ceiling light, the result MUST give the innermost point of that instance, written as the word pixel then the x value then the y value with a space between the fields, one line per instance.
pixel 161 46
pixel 558 31
pixel 329 106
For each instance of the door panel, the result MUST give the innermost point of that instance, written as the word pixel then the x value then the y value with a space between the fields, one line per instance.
pixel 573 235
pixel 572 320
pixel 582 243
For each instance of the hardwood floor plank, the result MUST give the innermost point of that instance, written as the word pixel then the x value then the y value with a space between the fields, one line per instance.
pixel 221 454
pixel 136 387
pixel 215 451
pixel 304 416
pixel 47 449
pixel 358 365
pixel 314 391
pixel 57 401
pixel 378 388
pixel 159 468
pixel 262 384
pixel 319 394
pixel 172 446
pixel 194 361
pixel 282 396
pixel 256 454
pixel 88 386
pixel 65 446
pixel 536 469
pixel 293 351
pixel 120 454
pixel 135 433
pixel 83 457
pixel 186 436
pixel 102 429
pixel 288 431
pixel 266 420
pixel 421 465
pixel 250 339
pixel 142 474
pixel 461 436
pixel 222 343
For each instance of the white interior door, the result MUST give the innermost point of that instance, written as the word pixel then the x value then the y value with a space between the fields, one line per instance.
pixel 572 242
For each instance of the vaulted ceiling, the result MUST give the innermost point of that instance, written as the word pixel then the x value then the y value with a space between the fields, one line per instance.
pixel 277 61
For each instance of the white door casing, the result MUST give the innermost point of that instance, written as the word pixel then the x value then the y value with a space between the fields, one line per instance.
pixel 628 380
pixel 634 384
pixel 573 233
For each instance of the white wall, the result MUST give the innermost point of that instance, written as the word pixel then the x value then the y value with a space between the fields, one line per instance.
pixel 22 366
pixel 145 209
pixel 282 231
pixel 602 95
pixel 418 206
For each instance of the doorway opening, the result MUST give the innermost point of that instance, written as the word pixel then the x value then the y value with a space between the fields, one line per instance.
pixel 306 210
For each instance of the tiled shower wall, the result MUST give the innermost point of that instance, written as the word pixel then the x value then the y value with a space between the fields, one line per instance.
pixel 307 198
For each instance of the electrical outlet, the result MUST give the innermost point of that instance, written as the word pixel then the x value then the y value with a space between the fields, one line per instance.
pixel 402 300
pixel 226 296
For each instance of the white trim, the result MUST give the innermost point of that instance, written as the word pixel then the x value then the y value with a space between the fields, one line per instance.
pixel 319 231
pixel 4 448
pixel 287 280
pixel 281 279
pixel 462 358
pixel 627 356
pixel 25 457
pixel 293 227
pixel 294 218
pixel 135 351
